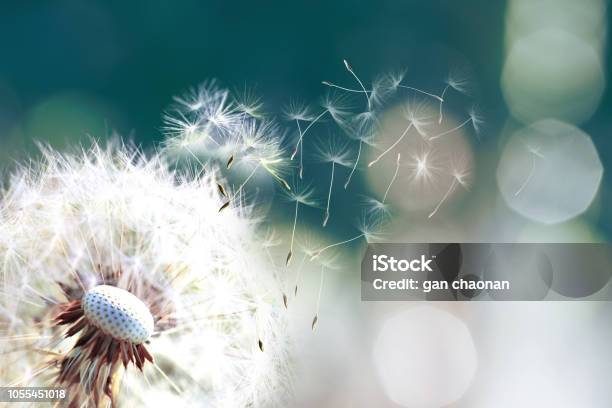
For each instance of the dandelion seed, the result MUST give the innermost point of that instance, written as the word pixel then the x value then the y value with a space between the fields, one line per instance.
pixel 230 161
pixel 221 190
pixel 456 80
pixel 260 144
pixel 399 139
pixel 249 103
pixel 535 154
pixel 300 195
pixel 460 174
pixel 369 229
pixel 423 167
pixel 315 319
pixel 473 118
pixel 368 116
pixel 261 345
pixel 414 114
pixel 314 322
pixel 397 166
pixel 308 247
pixel 367 95
pixel 299 112
pixel 337 154
pixel 224 206
pixel 205 114
pixel 375 206
pixel 333 105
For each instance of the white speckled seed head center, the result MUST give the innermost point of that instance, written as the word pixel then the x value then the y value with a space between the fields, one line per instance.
pixel 118 313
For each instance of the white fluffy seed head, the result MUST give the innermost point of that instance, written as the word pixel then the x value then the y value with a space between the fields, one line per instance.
pixel 118 313
pixel 114 216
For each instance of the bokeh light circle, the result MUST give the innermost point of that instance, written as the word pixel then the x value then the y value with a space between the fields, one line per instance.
pixel 425 357
pixel 409 192
pixel 549 172
pixel 552 73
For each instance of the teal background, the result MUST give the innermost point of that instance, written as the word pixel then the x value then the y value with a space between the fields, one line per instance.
pixel 69 69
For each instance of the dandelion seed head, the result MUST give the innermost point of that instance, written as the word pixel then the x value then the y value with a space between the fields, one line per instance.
pixel 476 118
pixel 424 166
pixel 303 194
pixel 416 112
pixel 458 79
pixel 338 107
pixel 298 110
pixel 375 206
pixel 394 79
pixel 371 225
pixel 249 103
pixel 461 171
pixel 333 150
pixel 73 224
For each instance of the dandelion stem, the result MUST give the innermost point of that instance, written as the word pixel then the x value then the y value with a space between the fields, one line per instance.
pixel 247 179
pixel 301 168
pixel 422 91
pixel 440 115
pixel 367 95
pixel 332 85
pixel 172 384
pixel 298 275
pixel 320 251
pixel 373 162
pixel 274 174
pixel 448 192
pixel 331 185
pixel 397 166
pixel 465 122
pixel 529 176
pixel 315 120
pixel 316 316
pixel 295 217
pixel 348 180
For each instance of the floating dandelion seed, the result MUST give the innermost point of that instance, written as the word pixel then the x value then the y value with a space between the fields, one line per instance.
pixel 397 166
pixel 300 195
pixel 337 154
pixel 457 80
pixel 336 107
pixel 423 167
pixel 307 246
pixel 249 103
pixel 210 122
pixel 204 118
pixel 369 229
pixel 394 81
pixel 460 174
pixel 416 119
pixel 474 118
pixel 299 112
pixel 366 121
pixel 535 154
pixel 376 207
pixel 326 264
pixel 315 319
pixel 114 262
pixel 260 144
pixel 367 95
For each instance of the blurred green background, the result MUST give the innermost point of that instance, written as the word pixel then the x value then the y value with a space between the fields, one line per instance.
pixel 71 68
